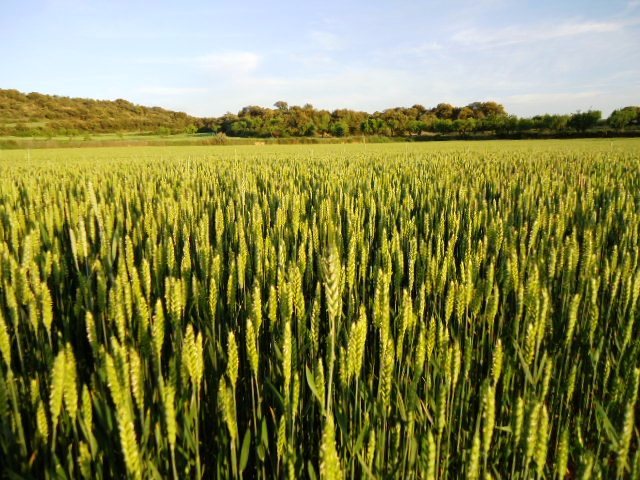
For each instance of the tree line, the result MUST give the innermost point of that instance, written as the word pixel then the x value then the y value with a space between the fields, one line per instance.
pixel 35 114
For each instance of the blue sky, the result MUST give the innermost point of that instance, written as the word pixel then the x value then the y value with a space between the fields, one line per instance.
pixel 210 57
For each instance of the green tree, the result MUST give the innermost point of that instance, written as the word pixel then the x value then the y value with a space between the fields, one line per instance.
pixel 416 127
pixel 526 124
pixel 444 111
pixel 583 121
pixel 465 113
pixel 619 119
pixel 282 106
pixel 310 130
pixel 559 122
pixel 464 126
pixel 340 129
pixel 443 126
pixel 163 131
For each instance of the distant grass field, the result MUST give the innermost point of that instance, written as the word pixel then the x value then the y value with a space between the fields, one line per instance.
pixel 105 140
pixel 141 140
pixel 416 311
pixel 132 152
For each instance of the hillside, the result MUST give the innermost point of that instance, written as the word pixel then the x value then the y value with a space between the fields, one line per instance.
pixel 35 114
pixel 38 115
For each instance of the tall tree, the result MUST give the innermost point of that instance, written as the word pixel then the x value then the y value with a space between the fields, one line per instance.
pixel 583 121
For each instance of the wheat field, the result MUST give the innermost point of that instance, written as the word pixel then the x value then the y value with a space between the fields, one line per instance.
pixel 414 311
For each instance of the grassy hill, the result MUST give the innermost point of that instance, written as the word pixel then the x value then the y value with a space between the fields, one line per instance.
pixel 44 117
pixel 35 114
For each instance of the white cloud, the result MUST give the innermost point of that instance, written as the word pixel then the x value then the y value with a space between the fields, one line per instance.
pixel 483 38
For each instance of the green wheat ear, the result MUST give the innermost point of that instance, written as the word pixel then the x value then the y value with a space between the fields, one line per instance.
pixel 232 359
pixel 57 387
pixel 387 364
pixel 92 335
pixel 518 421
pixel 199 359
pixel 87 408
pixel 157 329
pixel 70 383
pixel 136 378
pixel 46 305
pixel 281 441
pixel 5 341
pixel 543 441
pixel 85 461
pixel 227 404
pixel 572 319
pixel 473 464
pixel 546 379
pixel 330 468
pixel 251 345
pixel 371 448
pixel 532 430
pixel 256 308
pixel 356 345
pixel 318 377
pixel 489 413
pixel 41 421
pixel 562 454
pixel 332 282
pixel 189 354
pixel 496 362
pixel 287 352
pixel 625 438
pixel 170 414
pixel 130 447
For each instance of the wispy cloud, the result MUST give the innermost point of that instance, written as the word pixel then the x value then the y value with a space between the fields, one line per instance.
pixel 515 35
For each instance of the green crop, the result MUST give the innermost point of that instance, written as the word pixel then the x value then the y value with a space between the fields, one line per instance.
pixel 396 311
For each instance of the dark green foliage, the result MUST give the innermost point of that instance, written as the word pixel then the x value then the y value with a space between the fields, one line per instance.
pixel 583 121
